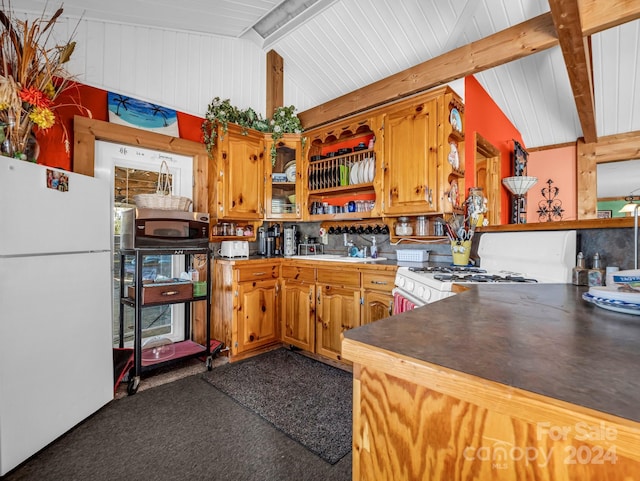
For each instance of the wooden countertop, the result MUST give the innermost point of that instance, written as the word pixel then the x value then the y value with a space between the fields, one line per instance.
pixel 540 338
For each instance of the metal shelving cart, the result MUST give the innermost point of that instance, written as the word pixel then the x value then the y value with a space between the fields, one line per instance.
pixel 133 296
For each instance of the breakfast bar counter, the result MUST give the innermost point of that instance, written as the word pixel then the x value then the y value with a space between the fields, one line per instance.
pixel 498 382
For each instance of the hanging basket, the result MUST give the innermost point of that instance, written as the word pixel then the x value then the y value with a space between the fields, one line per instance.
pixel 162 199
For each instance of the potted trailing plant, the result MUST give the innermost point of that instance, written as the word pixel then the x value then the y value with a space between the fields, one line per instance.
pixel 221 112
pixel 32 76
pixel 284 121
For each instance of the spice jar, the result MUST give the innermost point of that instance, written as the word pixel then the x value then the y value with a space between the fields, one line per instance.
pixel 403 227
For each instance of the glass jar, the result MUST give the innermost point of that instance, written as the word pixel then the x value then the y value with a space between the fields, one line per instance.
pixel 403 227
pixel 421 225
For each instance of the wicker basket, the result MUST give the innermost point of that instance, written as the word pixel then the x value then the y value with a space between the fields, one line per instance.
pixel 162 199
pixel 163 202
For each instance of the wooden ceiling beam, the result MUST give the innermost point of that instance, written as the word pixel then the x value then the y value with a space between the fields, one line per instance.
pixel 597 15
pixel 513 43
pixel 275 82
pixel 577 58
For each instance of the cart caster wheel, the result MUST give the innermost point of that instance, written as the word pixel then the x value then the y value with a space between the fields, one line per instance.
pixel 132 386
pixel 209 363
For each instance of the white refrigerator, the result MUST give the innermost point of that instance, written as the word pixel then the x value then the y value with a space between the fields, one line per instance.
pixel 56 358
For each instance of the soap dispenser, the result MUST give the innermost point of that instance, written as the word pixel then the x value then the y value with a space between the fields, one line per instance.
pixel 596 273
pixel 579 277
pixel 374 248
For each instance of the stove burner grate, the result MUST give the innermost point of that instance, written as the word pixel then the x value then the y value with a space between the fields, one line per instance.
pixel 480 277
pixel 449 269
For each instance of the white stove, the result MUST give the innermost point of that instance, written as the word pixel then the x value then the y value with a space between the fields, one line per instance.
pixel 510 257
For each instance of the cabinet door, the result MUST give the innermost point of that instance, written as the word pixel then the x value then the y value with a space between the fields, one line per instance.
pixel 256 312
pixel 298 314
pixel 241 175
pixel 377 305
pixel 410 152
pixel 337 310
pixel 284 198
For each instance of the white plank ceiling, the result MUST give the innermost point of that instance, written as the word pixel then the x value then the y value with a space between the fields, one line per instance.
pixel 338 46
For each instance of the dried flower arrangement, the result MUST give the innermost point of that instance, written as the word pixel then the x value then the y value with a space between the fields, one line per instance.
pixel 32 76
pixel 221 112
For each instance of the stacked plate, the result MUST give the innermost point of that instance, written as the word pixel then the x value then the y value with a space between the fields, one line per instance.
pixel 622 296
pixel 362 171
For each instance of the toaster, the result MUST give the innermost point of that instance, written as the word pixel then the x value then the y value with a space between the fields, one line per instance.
pixel 234 249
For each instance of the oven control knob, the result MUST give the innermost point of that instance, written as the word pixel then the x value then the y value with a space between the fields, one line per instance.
pixel 400 281
pixel 410 286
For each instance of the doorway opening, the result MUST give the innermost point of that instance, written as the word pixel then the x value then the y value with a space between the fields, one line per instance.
pixel 132 171
pixel 488 175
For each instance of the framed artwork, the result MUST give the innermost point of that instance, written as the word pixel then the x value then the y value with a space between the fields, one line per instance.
pixel 131 112
pixel 605 214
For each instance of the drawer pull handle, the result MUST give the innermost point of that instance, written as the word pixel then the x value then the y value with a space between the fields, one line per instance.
pixel 169 293
pixel 258 273
pixel 384 283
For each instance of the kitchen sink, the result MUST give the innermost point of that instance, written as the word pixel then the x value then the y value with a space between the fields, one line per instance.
pixel 338 258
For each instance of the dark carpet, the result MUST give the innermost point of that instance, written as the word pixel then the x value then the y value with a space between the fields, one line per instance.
pixel 309 401
pixel 183 430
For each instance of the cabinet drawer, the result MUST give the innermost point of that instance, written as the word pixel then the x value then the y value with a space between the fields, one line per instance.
pixel 342 277
pixel 300 274
pixel 257 273
pixel 380 281
pixel 164 292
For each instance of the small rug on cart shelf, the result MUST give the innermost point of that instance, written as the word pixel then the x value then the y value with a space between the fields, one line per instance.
pixel 309 401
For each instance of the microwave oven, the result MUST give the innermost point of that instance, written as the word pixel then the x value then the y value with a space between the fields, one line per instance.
pixel 163 228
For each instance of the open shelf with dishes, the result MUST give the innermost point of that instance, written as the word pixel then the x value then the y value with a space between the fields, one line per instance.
pixel 454 168
pixel 342 180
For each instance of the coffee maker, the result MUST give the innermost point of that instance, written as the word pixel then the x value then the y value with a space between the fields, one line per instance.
pixel 274 241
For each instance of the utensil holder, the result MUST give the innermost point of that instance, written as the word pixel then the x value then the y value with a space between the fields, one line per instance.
pixel 460 251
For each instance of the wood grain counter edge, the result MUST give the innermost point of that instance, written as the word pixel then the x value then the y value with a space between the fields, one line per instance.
pixel 526 406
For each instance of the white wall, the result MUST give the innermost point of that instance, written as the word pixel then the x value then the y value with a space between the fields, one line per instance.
pixel 175 69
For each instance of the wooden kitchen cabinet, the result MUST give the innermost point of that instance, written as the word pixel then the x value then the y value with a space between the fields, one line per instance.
pixel 411 158
pixel 298 307
pixel 236 178
pixel 245 306
pixel 337 309
pixel 283 178
pixel 377 299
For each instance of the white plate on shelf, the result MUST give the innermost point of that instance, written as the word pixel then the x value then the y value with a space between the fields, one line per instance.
pixel 353 176
pixel 365 170
pixel 362 172
pixel 613 304
pixel 372 169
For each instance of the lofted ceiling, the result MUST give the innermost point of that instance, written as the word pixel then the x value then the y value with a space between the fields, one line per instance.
pixel 568 88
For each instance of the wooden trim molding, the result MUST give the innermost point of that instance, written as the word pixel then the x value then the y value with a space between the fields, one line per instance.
pixel 87 131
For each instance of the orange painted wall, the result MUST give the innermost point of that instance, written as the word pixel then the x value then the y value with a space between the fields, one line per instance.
pixel 483 116
pixel 51 141
pixel 558 165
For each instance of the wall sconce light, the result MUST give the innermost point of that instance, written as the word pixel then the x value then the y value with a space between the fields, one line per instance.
pixel 519 185
pixel 633 206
